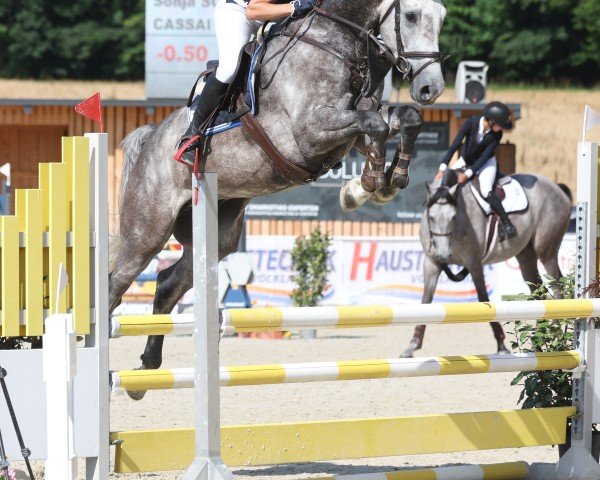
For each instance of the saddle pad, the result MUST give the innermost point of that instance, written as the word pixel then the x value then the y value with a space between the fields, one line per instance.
pixel 515 200
pixel 221 123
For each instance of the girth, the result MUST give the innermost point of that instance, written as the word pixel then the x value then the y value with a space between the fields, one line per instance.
pixel 287 169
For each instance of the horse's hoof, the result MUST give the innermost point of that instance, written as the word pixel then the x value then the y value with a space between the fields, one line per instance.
pixel 347 203
pixel 384 196
pixel 401 181
pixel 136 394
pixel 407 354
pixel 352 196
pixel 503 350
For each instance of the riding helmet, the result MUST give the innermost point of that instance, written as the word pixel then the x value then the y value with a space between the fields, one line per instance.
pixel 498 113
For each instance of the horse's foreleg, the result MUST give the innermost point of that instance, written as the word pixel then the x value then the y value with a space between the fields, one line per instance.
pixel 337 127
pixel 397 175
pixel 482 295
pixel 431 270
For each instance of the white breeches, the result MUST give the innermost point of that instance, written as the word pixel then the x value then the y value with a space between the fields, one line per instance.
pixel 233 31
pixel 487 176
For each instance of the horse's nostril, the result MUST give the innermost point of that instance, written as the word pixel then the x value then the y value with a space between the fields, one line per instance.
pixel 425 93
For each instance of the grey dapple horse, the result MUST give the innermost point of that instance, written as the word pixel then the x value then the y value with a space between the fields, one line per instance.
pixel 307 109
pixel 453 232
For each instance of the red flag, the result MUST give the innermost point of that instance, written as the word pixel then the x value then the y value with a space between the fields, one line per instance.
pixel 92 109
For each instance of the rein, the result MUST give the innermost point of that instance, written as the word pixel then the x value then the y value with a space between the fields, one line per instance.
pixel 401 62
pixel 358 77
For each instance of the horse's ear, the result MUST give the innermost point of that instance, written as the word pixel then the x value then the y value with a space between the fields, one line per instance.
pixel 428 187
pixel 452 190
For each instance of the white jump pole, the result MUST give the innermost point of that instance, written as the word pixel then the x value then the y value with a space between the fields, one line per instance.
pixel 60 367
pixel 578 464
pixel 207 464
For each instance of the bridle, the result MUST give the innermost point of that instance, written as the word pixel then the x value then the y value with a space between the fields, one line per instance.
pixel 383 51
pixel 402 61
pixel 441 192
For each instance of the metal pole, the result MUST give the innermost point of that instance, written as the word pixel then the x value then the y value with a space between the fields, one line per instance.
pixel 208 464
pixel 98 468
pixel 60 368
pixel 578 464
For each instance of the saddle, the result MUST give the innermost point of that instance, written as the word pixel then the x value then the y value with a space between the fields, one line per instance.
pixel 514 200
pixel 240 107
pixel 229 114
pixel 508 190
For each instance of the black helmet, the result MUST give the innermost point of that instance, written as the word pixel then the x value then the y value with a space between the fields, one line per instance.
pixel 498 113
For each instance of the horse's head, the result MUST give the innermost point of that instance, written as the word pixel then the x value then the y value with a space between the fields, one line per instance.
pixel 411 29
pixel 441 215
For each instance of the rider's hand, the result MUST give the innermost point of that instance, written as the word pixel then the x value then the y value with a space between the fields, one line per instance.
pixel 300 7
pixel 462 178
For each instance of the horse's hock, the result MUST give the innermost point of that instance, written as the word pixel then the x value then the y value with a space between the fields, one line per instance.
pixel 65 222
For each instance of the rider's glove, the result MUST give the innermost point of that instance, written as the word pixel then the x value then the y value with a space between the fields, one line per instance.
pixel 300 7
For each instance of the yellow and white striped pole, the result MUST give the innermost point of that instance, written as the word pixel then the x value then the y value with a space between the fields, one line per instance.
pixel 141 325
pixel 294 318
pixel 348 370
pixel 298 318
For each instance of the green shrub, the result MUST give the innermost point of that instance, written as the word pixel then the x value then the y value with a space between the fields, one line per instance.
pixel 310 264
pixel 548 388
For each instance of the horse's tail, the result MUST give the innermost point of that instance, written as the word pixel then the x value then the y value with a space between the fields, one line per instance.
pixel 566 190
pixel 131 145
pixel 455 277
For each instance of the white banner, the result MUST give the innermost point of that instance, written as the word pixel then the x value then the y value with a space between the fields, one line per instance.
pixel 371 271
pixel 362 271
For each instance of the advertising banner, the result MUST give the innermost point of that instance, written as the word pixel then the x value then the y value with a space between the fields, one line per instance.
pixel 362 271
pixel 379 271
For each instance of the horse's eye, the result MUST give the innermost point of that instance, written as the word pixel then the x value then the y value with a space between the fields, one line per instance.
pixel 412 17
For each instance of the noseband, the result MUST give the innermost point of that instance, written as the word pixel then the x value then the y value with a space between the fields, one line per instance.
pixel 441 193
pixel 402 61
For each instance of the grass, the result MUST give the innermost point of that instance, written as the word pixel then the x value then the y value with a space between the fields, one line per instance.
pixel 546 136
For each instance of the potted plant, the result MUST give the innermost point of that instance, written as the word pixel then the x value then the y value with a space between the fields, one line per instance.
pixel 548 388
pixel 310 257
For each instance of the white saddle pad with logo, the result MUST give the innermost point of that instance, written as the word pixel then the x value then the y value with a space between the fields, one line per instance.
pixel 515 200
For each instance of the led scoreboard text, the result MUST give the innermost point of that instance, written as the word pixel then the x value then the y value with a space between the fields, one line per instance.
pixel 180 39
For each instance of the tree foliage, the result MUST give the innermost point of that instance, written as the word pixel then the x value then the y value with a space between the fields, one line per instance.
pixel 552 42
pixel 86 39
pixel 542 41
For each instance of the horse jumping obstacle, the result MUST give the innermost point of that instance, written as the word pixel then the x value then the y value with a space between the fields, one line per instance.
pixel 280 443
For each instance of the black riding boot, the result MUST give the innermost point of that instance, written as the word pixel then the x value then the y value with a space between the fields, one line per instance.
pixel 508 230
pixel 211 97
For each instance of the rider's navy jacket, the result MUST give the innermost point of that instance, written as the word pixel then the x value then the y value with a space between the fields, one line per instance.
pixel 474 154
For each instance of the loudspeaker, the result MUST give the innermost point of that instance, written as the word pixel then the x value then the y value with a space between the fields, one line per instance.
pixel 471 81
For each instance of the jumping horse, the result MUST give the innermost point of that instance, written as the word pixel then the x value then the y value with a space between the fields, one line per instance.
pixel 320 98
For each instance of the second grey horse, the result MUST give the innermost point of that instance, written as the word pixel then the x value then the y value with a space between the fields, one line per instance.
pixel 453 231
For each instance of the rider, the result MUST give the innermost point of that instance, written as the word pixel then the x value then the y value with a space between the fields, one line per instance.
pixel 477 139
pixel 235 22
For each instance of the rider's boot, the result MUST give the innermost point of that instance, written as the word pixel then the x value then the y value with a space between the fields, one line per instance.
pixel 211 97
pixel 508 230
